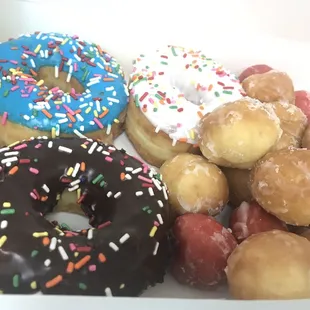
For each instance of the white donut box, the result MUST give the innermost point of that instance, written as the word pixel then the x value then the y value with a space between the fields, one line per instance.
pixel 237 33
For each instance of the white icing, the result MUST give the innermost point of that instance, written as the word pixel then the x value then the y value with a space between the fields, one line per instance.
pixel 189 81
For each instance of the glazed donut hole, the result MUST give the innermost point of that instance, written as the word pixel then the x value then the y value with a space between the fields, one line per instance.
pixel 194 185
pixel 238 183
pixel 305 142
pixel 226 135
pixel 306 234
pixel 270 265
pixel 279 182
pixel 293 123
pixel 270 86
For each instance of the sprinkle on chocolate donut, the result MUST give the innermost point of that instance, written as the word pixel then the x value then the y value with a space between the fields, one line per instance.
pixel 126 249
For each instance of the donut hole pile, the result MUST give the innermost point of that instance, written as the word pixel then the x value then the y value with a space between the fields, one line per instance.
pixel 254 158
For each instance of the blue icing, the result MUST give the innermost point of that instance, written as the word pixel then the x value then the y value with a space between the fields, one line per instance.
pixel 104 98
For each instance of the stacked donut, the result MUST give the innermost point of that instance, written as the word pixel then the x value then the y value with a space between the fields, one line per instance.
pixel 217 140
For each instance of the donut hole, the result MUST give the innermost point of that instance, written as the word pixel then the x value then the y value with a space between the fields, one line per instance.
pixel 68 213
pixel 69 221
pixel 191 90
pixel 70 196
pixel 47 74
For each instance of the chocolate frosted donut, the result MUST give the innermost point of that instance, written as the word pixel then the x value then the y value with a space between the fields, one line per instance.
pixel 124 252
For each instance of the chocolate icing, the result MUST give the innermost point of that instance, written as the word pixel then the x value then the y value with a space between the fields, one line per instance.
pixel 126 250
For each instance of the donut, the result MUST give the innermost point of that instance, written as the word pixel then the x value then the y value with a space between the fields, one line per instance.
pixel 298 230
pixel 202 248
pixel 293 123
pixel 305 142
pixel 255 69
pixel 270 86
pixel 126 249
pixel 280 183
pixel 302 100
pixel 250 218
pixel 226 135
pixel 170 90
pixel 238 182
pixel 186 172
pixel 54 84
pixel 270 265
pixel 306 234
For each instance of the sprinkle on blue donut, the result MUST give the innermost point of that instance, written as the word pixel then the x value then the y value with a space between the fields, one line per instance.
pixel 25 100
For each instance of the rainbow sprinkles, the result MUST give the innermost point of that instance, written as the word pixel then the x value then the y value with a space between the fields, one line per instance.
pixel 26 100
pixel 126 202
pixel 174 87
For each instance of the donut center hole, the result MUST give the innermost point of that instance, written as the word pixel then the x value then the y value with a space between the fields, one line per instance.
pixel 189 87
pixel 68 213
pixel 64 81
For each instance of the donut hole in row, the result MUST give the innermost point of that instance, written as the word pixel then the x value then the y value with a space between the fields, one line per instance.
pixel 63 82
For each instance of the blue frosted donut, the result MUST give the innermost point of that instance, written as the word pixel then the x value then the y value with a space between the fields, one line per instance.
pixel 28 100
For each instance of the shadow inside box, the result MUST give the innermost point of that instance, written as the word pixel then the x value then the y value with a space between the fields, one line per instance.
pixel 172 289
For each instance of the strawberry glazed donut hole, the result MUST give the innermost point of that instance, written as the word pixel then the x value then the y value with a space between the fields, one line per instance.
pixel 170 90
pixel 202 248
pixel 255 69
pixel 302 100
pixel 250 218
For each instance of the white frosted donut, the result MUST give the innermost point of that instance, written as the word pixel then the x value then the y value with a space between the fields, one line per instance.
pixel 174 87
